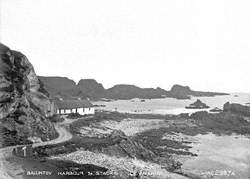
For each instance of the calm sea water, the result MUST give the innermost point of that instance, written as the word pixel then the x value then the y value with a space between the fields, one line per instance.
pixel 223 157
pixel 171 105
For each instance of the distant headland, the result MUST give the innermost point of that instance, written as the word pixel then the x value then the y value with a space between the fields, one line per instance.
pixel 64 87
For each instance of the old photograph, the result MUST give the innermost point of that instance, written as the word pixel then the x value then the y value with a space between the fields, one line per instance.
pixel 124 89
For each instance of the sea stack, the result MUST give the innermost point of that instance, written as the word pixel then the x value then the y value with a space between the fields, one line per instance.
pixel 198 104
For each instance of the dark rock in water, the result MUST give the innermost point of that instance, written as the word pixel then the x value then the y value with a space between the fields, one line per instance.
pixel 237 108
pixel 222 123
pixel 198 104
pixel 184 92
pixel 216 110
pixel 180 92
pixel 124 91
pixel 24 105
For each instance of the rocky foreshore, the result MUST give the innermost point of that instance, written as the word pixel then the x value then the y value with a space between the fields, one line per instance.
pixel 120 167
pixel 162 145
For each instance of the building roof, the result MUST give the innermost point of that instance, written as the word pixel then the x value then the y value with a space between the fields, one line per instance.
pixel 72 104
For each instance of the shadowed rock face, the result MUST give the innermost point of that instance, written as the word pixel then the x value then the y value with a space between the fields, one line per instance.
pixel 91 89
pixel 124 146
pixel 23 103
pixel 124 91
pixel 59 86
pixel 62 87
pixel 237 108
pixel 184 92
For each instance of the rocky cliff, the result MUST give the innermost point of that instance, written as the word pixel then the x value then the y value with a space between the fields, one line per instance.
pixel 124 91
pixel 59 86
pixel 184 92
pixel 90 88
pixel 24 103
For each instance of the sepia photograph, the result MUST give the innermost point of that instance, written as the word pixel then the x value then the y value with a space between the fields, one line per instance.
pixel 124 89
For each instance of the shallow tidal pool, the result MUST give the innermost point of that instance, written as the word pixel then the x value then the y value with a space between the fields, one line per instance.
pixel 220 157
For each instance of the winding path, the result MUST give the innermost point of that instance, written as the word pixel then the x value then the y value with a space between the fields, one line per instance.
pixel 63 135
pixel 7 169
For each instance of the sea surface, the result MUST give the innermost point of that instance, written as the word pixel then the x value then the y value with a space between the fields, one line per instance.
pixel 222 157
pixel 171 105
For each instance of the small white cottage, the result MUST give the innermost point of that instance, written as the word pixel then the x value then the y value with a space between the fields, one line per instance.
pixel 83 107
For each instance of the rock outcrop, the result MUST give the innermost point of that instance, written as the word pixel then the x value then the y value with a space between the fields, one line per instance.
pixel 221 123
pixel 89 88
pixel 180 92
pixel 131 91
pixel 59 86
pixel 237 108
pixel 124 146
pixel 198 104
pixel 24 104
pixel 184 92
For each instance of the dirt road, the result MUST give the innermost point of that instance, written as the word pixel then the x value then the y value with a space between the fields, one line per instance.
pixel 10 170
pixel 64 135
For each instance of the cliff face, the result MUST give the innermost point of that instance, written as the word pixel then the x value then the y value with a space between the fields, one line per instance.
pixel 131 91
pixel 67 88
pixel 59 86
pixel 91 89
pixel 184 92
pixel 180 92
pixel 24 104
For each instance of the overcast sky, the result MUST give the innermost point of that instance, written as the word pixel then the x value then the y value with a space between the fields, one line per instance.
pixel 201 43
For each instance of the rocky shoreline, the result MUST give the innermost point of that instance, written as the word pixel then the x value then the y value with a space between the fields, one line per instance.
pixel 108 144
pixel 165 143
